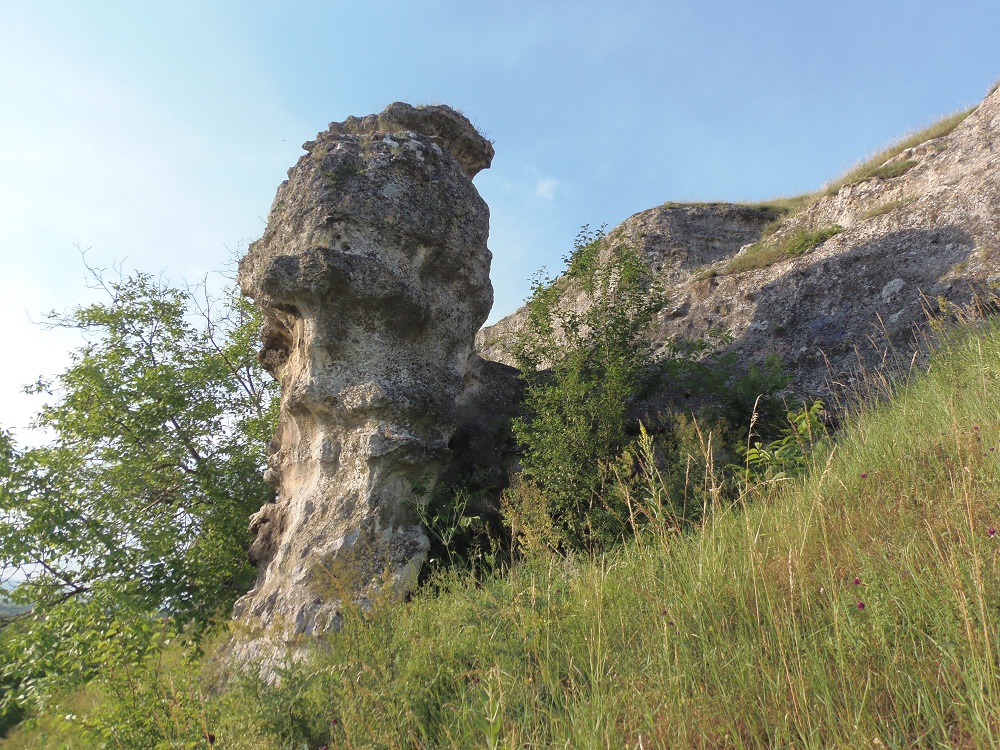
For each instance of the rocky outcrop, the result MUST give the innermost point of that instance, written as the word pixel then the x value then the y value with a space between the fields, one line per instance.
pixel 677 241
pixel 373 278
pixel 854 302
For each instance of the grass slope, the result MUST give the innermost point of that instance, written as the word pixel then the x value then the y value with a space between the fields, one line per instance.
pixel 766 253
pixel 857 607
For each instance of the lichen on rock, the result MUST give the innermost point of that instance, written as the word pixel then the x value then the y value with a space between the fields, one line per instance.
pixel 373 278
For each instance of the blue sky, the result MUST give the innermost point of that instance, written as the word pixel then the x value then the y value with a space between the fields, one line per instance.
pixel 156 134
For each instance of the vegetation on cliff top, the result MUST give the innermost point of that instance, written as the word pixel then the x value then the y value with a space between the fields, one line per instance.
pixel 874 166
pixel 884 164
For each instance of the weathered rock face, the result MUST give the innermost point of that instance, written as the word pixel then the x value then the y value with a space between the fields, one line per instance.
pixel 677 240
pixel 852 302
pixel 373 277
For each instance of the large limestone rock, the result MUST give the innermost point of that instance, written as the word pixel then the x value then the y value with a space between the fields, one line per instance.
pixel 373 277
pixel 854 304
pixel 676 240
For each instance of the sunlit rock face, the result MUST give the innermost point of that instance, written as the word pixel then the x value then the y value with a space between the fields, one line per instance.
pixel 373 277
pixel 920 236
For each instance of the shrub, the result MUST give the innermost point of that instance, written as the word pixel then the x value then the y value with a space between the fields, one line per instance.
pixel 597 362
pixel 789 455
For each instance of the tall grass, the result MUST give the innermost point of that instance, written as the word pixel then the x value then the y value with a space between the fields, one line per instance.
pixel 855 607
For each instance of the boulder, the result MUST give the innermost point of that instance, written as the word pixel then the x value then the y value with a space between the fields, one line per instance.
pixel 373 278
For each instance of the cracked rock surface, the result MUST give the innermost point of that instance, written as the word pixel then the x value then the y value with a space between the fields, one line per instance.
pixel 373 278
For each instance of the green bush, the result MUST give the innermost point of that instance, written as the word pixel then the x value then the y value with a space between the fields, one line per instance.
pixel 582 372
pixel 789 455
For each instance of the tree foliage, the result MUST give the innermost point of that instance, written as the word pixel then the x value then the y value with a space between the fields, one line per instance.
pixel 136 508
pixel 583 369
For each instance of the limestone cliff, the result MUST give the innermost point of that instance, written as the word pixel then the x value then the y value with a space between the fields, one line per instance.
pixel 931 231
pixel 373 277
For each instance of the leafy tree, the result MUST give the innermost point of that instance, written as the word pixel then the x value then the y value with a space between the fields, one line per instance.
pixel 583 370
pixel 136 509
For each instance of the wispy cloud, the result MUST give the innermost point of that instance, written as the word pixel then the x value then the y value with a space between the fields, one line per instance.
pixel 545 188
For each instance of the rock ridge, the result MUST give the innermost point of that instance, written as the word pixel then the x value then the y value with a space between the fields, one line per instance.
pixel 856 302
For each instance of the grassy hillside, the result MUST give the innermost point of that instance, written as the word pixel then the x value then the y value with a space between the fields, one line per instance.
pixel 856 607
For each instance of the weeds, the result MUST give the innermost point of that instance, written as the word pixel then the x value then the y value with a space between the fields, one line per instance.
pixel 446 514
pixel 769 251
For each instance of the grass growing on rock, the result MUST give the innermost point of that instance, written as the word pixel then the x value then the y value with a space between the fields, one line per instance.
pixel 855 607
pixel 885 208
pixel 880 165
pixel 876 166
pixel 767 252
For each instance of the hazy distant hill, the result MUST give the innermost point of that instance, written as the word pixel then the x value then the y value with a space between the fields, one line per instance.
pixel 6 608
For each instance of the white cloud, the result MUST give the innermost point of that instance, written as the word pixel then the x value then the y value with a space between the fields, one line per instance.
pixel 545 188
